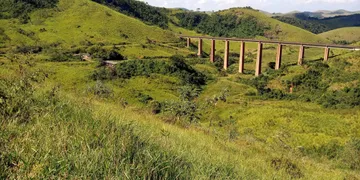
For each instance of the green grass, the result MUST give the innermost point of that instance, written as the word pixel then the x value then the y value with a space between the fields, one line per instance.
pixel 62 127
pixel 81 22
pixel 100 138
pixel 349 34
pixel 286 32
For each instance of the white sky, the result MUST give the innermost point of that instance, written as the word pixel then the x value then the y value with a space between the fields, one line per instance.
pixel 266 5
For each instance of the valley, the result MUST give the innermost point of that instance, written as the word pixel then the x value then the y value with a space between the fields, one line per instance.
pixel 162 112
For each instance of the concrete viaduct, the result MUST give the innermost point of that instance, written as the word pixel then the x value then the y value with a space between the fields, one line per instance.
pixel 260 49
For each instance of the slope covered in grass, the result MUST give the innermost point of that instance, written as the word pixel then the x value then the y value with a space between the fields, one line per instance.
pixel 83 23
pixel 74 22
pixel 343 35
pixel 320 24
pixel 109 129
pixel 277 29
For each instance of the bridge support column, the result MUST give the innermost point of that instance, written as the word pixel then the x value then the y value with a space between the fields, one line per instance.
pixel 278 57
pixel 200 46
pixel 242 57
pixel 301 55
pixel 259 60
pixel 226 54
pixel 212 53
pixel 188 42
pixel 326 53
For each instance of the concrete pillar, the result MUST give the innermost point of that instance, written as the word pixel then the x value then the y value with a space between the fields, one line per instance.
pixel 259 60
pixel 326 53
pixel 226 54
pixel 301 55
pixel 242 57
pixel 212 53
pixel 278 56
pixel 188 42
pixel 200 46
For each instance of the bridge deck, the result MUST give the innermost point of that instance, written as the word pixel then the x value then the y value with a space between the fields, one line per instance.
pixel 336 46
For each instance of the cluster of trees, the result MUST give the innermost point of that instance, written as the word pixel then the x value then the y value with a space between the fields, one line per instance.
pixel 176 66
pixel 222 25
pixel 21 8
pixel 313 27
pixel 311 86
pixel 317 25
pixel 139 9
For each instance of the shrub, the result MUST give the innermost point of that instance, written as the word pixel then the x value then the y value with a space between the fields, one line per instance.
pixel 289 167
pixel 57 55
pixel 28 49
pixel 345 98
pixel 100 89
pixel 351 154
pixel 176 67
pixel 105 54
pixel 138 9
pixel 21 8
pixel 103 73
pixel 187 111
pixel 143 98
pixel 18 102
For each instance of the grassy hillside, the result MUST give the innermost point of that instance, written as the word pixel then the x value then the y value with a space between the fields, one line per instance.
pixel 278 30
pixel 346 35
pixel 115 128
pixel 319 25
pixel 242 22
pixel 313 27
pixel 84 23
pixel 155 117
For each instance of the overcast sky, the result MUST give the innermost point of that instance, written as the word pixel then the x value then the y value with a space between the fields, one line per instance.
pixel 266 5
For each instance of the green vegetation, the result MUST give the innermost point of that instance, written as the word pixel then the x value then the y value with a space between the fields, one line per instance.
pixel 138 9
pixel 159 115
pixel 21 8
pixel 313 27
pixel 343 35
pixel 319 25
pixel 222 25
pixel 176 67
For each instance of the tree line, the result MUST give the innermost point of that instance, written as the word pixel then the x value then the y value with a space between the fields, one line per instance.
pixel 140 10
pixel 21 8
pixel 228 25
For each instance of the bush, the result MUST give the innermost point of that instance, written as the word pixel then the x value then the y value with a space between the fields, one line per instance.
pixel 138 9
pixel 105 54
pixel 184 111
pixel 18 102
pixel 57 55
pixel 176 67
pixel 345 98
pixel 28 49
pixel 351 154
pixel 21 8
pixel 100 89
pixel 218 24
pixel 103 73
pixel 143 98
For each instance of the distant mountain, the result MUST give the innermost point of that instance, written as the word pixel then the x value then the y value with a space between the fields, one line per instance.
pixel 315 22
pixel 321 14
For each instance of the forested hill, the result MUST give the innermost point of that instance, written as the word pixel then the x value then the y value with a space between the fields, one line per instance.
pixel 139 9
pixel 242 22
pixel 313 27
pixel 21 8
pixel 317 25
